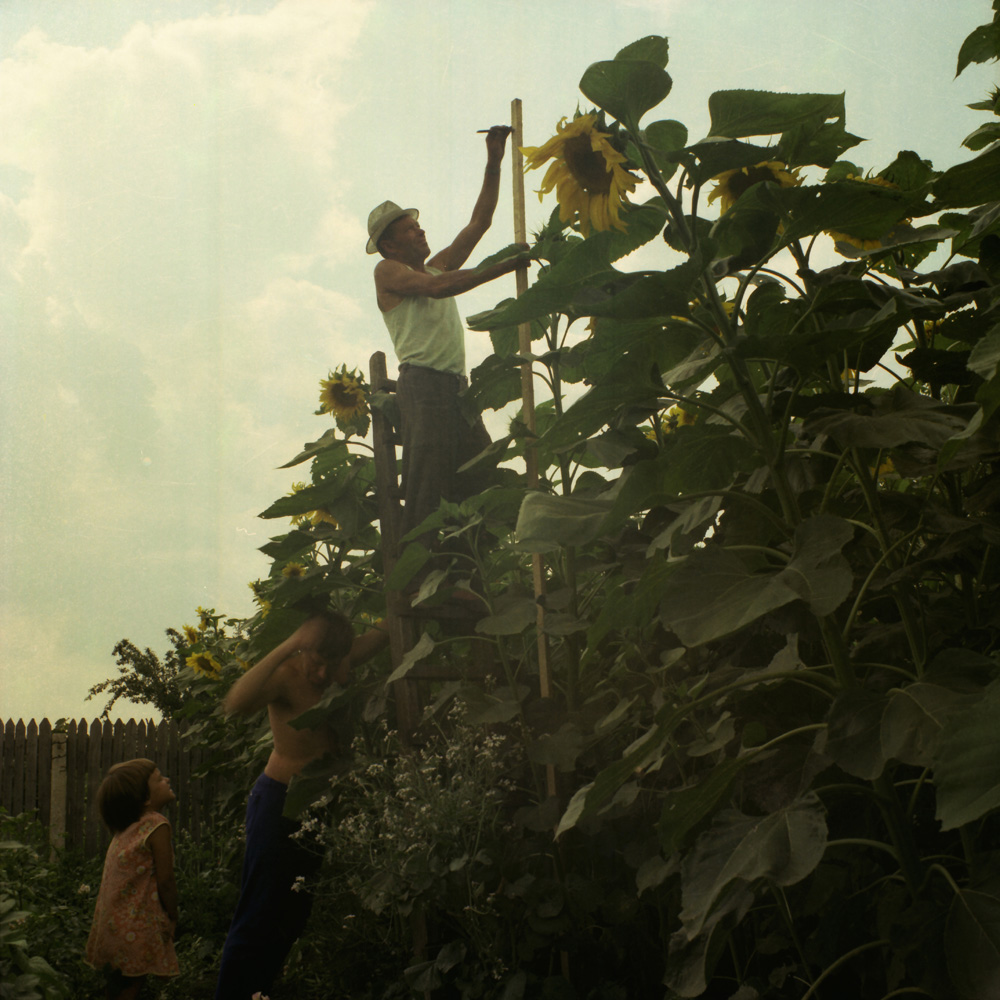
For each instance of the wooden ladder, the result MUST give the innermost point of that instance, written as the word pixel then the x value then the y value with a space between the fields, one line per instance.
pixel 400 618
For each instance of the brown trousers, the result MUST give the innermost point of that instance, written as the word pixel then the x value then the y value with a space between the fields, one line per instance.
pixel 437 440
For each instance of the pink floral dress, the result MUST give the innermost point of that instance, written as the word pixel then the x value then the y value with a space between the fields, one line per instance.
pixel 131 930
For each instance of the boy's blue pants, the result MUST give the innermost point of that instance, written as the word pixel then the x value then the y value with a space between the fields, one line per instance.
pixel 269 916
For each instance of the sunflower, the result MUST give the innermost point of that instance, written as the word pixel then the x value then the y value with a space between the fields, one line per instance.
pixel 203 663
pixel 343 395
pixel 293 571
pixel 191 634
pixel 730 184
pixel 316 517
pixel 675 417
pixel 586 172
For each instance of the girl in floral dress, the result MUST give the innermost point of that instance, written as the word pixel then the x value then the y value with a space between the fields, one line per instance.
pixel 136 913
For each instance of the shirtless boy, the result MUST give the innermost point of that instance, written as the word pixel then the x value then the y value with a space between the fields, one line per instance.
pixel 291 679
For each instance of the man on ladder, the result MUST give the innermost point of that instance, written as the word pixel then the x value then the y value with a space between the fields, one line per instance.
pixel 416 296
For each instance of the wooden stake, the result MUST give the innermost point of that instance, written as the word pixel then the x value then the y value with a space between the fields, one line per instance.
pixel 528 412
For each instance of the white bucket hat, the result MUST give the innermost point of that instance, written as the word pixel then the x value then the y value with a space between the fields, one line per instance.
pixel 379 220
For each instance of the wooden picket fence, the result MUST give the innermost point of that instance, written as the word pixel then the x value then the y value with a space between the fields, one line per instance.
pixel 56 772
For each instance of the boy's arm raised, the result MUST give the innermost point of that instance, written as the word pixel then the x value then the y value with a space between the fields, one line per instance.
pixel 262 683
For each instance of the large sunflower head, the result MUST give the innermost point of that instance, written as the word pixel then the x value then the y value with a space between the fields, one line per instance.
pixel 730 184
pixel 587 174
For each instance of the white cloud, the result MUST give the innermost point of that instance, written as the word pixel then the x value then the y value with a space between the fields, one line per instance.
pixel 169 204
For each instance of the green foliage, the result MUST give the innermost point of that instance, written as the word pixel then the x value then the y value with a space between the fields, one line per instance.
pixel 45 911
pixel 758 759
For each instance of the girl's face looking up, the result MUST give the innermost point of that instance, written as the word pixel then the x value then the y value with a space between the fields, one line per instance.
pixel 160 792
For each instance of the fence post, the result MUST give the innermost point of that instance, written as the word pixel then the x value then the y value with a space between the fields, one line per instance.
pixel 57 792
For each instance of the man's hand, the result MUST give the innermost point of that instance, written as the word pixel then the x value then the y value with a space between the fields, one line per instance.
pixel 496 142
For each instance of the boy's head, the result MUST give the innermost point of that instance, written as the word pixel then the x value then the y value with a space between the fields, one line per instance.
pixel 339 636
pixel 124 792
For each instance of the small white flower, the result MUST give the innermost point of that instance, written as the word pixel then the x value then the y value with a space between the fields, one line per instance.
pixel 84 889
pixel 299 884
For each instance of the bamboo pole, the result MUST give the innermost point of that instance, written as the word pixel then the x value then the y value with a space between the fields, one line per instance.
pixel 528 410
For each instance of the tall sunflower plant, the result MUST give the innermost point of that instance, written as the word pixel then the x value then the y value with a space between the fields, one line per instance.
pixel 767 500
pixel 330 549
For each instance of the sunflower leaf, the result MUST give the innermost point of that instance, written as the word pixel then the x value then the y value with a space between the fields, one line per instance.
pixel 652 48
pixel 739 113
pixel 626 88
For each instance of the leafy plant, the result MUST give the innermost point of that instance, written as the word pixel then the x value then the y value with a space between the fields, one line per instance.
pixel 749 738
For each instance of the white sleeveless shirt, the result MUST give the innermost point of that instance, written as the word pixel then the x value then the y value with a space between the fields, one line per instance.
pixel 428 332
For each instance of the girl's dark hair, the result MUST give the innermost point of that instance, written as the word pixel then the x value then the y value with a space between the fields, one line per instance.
pixel 124 793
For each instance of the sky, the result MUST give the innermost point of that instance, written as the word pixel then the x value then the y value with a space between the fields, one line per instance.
pixel 184 189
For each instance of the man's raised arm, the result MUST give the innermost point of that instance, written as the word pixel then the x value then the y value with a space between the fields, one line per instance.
pixel 454 256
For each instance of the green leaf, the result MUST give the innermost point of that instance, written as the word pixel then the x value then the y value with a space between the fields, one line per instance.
pixel 644 752
pixel 985 356
pixel 286 547
pixel 685 973
pixel 684 808
pixel 982 137
pixel 495 382
pixel 652 48
pixel 818 573
pixel 982 45
pixel 665 138
pixel 423 648
pixel 970 184
pixel 574 283
pixel 972 943
pixel 739 113
pixel 487 708
pixel 823 145
pixel 914 719
pixel 662 294
pixel 413 558
pixel 330 439
pixel 967 768
pixel 854 733
pixel 694 460
pixel 626 88
pixel 545 522
pixel 782 848
pixel 559 749
pixel 513 616
pixel 714 593
pixel 866 211
pixel 316 497
pixel 897 417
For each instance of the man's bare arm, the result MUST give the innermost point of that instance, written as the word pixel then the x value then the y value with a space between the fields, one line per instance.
pixel 395 278
pixel 364 647
pixel 454 256
pixel 261 684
